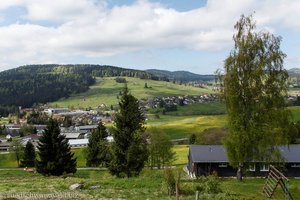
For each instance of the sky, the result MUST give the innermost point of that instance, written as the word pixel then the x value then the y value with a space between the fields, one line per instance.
pixel 191 35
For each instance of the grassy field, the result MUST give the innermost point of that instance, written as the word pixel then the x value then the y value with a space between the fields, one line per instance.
pixel 181 151
pixel 182 126
pixel 106 91
pixel 99 184
pixel 295 112
pixel 214 108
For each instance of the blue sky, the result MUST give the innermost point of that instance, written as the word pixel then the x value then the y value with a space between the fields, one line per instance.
pixel 192 35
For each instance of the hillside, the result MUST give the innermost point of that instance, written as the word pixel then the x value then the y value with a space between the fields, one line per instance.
pixel 34 84
pixel 106 91
pixel 183 76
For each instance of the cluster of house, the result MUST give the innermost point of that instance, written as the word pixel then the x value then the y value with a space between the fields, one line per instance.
pixel 92 116
pixel 77 135
pixel 157 102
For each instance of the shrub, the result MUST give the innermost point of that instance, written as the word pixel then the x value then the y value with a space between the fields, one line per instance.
pixel 170 181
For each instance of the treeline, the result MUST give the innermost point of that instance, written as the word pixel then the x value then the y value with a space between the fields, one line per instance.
pixel 24 89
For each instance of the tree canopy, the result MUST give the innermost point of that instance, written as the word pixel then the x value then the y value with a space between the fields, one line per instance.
pixel 254 87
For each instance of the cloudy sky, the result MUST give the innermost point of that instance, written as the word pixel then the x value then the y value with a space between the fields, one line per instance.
pixel 193 35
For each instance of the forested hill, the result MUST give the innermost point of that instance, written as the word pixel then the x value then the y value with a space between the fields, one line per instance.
pixel 183 76
pixel 26 85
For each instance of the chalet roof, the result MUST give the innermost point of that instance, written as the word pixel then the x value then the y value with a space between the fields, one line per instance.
pixel 217 153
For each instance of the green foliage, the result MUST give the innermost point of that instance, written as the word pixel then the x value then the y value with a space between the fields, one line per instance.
pixel 55 156
pixel 212 136
pixel 27 130
pixel 160 148
pixel 17 150
pixel 120 80
pixel 129 149
pixel 37 118
pixel 28 159
pixel 146 85
pixel 255 84
pixel 97 152
pixel 170 181
pixel 192 138
pixel 5 110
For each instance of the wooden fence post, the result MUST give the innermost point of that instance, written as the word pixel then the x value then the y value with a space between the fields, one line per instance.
pixel 197 195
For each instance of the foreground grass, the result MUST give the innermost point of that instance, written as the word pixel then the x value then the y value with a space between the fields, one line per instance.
pixel 149 185
pixel 107 89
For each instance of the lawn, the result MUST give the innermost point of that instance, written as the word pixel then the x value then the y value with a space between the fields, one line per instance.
pixel 8 161
pixel 106 90
pixel 99 184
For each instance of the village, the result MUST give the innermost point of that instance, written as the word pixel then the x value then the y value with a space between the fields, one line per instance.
pixel 80 123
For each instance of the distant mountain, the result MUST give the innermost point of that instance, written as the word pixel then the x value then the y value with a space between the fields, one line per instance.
pixel 294 71
pixel 183 76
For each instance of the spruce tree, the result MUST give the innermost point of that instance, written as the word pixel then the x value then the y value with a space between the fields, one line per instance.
pixel 55 153
pixel 129 149
pixel 97 150
pixel 29 156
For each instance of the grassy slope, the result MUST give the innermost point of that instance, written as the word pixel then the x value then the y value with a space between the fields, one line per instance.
pixel 182 126
pixel 106 91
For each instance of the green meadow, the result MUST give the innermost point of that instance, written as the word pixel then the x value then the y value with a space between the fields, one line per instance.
pixel 106 91
pixel 99 184
pixel 182 126
pixel 181 151
pixel 295 110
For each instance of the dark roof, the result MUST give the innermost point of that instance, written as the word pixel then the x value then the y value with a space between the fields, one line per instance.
pixel 217 153
pixel 208 153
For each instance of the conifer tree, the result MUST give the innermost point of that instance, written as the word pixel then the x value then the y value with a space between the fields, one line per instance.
pixel 129 149
pixel 97 150
pixel 55 153
pixel 29 156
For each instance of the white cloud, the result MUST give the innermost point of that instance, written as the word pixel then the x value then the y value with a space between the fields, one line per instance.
pixel 90 28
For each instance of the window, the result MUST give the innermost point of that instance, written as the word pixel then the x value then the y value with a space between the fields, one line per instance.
pixel 251 168
pixel 264 168
pixel 222 165
pixel 295 165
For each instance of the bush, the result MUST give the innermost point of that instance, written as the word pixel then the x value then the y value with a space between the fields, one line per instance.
pixel 212 136
pixel 120 80
pixel 170 181
pixel 212 185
